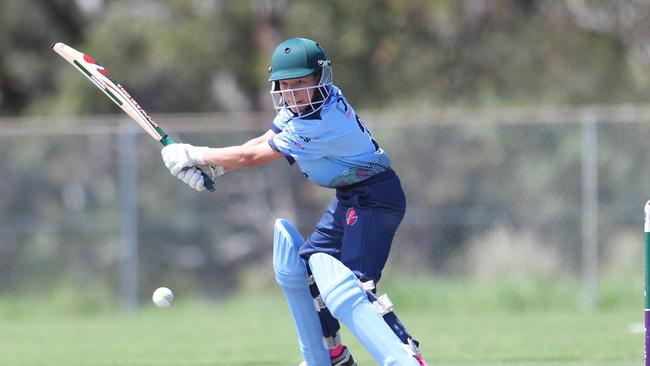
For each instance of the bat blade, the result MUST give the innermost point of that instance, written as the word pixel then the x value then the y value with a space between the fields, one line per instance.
pixel 102 79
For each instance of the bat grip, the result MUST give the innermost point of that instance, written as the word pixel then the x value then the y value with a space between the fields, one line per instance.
pixel 207 181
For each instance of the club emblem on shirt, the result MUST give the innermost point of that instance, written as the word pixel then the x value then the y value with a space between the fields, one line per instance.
pixel 351 216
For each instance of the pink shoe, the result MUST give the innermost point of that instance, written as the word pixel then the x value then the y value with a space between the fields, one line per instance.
pixel 344 358
pixel 420 360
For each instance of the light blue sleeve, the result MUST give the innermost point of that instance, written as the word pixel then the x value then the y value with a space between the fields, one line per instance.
pixel 300 142
pixel 281 119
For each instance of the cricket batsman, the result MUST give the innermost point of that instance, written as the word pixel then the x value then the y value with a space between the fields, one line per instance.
pixel 330 277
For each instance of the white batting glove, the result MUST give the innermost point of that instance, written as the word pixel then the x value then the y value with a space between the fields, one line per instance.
pixel 213 171
pixel 180 156
pixel 193 178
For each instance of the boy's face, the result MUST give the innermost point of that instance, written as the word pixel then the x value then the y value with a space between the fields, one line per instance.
pixel 297 93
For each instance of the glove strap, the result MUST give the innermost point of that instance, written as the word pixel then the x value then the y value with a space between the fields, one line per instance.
pixel 217 170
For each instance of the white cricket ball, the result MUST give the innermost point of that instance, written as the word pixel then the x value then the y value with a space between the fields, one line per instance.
pixel 163 297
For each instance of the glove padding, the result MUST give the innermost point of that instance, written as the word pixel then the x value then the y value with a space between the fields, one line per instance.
pixel 193 177
pixel 182 161
pixel 180 156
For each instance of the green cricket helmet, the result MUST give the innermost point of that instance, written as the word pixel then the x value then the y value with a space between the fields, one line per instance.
pixel 297 58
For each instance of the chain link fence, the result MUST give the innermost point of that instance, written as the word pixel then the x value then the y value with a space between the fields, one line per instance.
pixel 86 202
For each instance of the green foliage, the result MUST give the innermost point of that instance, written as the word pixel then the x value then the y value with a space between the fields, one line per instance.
pixel 175 55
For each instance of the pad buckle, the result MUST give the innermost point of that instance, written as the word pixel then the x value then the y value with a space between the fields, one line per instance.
pixel 383 305
pixel 367 286
pixel 412 347
pixel 319 304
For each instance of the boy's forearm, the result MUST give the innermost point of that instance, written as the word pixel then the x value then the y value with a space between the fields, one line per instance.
pixel 235 157
pixel 251 153
pixel 231 157
pixel 254 141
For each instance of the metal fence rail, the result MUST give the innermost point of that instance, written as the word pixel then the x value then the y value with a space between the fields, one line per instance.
pixel 551 192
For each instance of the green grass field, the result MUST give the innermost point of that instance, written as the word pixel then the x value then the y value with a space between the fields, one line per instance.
pixel 515 324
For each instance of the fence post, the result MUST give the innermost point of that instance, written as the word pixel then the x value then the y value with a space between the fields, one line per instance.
pixel 590 265
pixel 128 193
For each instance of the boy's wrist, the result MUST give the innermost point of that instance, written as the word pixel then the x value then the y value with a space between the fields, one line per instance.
pixel 197 154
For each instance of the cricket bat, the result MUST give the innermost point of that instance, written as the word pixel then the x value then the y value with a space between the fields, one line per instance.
pixel 102 79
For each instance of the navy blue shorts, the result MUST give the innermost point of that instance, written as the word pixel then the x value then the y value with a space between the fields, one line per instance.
pixel 358 226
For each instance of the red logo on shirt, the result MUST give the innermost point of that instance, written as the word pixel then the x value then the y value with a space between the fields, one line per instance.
pixel 298 145
pixel 351 216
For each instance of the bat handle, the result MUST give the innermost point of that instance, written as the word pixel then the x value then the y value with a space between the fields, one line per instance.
pixel 207 181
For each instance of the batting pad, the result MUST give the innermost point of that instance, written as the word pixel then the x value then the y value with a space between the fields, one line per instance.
pixel 349 303
pixel 291 275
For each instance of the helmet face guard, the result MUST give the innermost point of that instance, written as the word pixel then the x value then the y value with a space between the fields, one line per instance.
pixel 287 98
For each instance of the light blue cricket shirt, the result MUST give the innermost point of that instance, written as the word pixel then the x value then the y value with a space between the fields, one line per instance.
pixel 332 146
